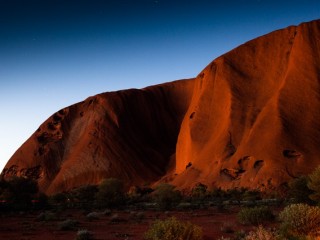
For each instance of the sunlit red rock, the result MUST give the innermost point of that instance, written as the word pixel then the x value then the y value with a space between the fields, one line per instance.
pixel 251 118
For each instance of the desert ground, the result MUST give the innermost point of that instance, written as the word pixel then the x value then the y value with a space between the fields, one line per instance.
pixel 117 225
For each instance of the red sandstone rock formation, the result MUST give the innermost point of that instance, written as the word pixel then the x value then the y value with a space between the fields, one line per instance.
pixel 250 119
pixel 254 116
pixel 128 134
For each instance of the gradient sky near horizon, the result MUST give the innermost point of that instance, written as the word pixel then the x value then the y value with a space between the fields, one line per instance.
pixel 55 53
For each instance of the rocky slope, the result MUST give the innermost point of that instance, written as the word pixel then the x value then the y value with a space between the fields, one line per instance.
pixel 128 134
pixel 250 118
pixel 254 116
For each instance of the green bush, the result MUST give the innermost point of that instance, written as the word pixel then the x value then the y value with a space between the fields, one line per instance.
pixel 300 220
pixel 46 216
pixel 84 234
pixel 251 195
pixel 299 191
pixel 139 194
pixel 166 196
pixel 260 233
pixel 235 193
pixel 172 229
pixel 314 184
pixel 217 193
pixel 110 193
pixel 18 192
pixel 255 215
pixel 199 192
pixel 84 196
pixel 59 200
pixel 115 218
pixel 68 224
pixel 93 215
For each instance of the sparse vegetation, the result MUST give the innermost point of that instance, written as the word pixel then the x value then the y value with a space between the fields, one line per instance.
pixel 110 193
pixel 299 191
pixel 300 220
pixel 18 193
pixel 59 200
pixel 217 193
pixel 239 235
pixel 139 194
pixel 46 216
pixel 114 218
pixel 199 192
pixel 172 229
pixel 237 194
pixel 166 196
pixel 84 234
pixel 314 184
pixel 251 195
pixel 93 215
pixel 261 233
pixel 255 215
pixel 68 224
pixel 84 196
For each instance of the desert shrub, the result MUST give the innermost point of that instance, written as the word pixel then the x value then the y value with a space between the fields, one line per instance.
pixel 134 194
pixel 18 192
pixel 139 194
pixel 68 224
pixel 46 216
pixel 59 200
pixel 239 235
pixel 110 193
pixel 251 195
pixel 114 218
pixel 166 196
pixel 93 215
pixel 255 215
pixel 172 229
pixel 314 184
pixel 299 191
pixel 300 220
pixel 84 196
pixel 199 192
pixel 84 234
pixel 260 233
pixel 235 193
pixel 187 206
pixel 217 193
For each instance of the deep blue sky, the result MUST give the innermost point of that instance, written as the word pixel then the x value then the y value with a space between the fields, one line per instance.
pixel 54 53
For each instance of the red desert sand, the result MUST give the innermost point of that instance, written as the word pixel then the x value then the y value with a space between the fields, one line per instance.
pixel 215 224
pixel 249 119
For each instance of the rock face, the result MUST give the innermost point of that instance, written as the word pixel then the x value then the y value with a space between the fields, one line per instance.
pixel 250 119
pixel 254 116
pixel 130 135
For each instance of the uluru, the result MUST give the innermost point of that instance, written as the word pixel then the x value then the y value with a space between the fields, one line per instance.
pixel 249 119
